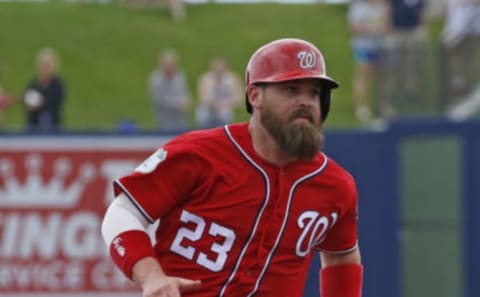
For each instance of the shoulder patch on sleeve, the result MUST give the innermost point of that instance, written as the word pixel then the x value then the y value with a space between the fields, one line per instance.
pixel 151 163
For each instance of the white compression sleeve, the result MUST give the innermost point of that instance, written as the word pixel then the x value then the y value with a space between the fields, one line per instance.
pixel 121 216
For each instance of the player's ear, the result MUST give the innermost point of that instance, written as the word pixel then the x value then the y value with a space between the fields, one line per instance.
pixel 255 95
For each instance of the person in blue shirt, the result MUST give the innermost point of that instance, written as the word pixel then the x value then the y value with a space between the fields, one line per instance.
pixel 405 53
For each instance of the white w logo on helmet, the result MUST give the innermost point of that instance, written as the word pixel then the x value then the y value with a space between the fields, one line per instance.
pixel 307 59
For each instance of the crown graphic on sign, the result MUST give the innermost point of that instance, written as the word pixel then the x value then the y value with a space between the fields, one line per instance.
pixel 35 192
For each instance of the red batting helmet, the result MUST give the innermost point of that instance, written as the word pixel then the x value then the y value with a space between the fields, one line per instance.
pixel 289 59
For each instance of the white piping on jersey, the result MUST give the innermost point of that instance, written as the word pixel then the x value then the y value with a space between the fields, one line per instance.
pixel 137 205
pixel 285 219
pixel 259 214
pixel 342 251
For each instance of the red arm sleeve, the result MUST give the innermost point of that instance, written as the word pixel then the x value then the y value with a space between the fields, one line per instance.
pixel 341 281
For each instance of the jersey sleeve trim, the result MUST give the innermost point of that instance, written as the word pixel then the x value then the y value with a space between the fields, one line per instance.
pixel 341 251
pixel 135 203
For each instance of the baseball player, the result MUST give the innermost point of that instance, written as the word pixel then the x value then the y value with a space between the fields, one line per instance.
pixel 244 207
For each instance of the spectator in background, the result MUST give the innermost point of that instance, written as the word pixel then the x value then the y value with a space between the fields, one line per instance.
pixel 369 22
pixel 5 100
pixel 405 54
pixel 45 94
pixel 220 93
pixel 461 40
pixel 169 93
pixel 177 8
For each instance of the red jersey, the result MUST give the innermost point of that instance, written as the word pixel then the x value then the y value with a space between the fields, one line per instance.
pixel 241 225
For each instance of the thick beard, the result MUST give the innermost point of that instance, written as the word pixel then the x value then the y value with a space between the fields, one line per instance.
pixel 300 140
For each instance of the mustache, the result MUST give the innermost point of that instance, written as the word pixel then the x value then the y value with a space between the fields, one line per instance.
pixel 302 112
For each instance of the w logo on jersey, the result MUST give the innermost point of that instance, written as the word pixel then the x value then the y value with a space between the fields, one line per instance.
pixel 314 227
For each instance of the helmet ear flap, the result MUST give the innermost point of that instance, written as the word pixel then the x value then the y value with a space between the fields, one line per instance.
pixel 325 99
pixel 249 107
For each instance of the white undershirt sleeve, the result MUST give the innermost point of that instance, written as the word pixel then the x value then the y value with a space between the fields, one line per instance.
pixel 121 216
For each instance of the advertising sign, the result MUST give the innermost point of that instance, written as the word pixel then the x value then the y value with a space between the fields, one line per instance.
pixel 53 194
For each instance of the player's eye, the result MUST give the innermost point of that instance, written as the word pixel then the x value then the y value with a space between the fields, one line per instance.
pixel 291 90
pixel 316 92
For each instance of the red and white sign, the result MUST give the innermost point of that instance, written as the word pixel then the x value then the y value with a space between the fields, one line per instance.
pixel 53 194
